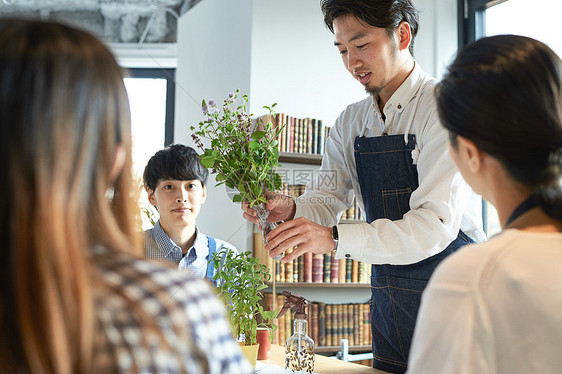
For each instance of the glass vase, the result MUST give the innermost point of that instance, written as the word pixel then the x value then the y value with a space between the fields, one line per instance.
pixel 266 226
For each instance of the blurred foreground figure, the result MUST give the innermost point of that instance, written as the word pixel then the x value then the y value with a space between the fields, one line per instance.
pixel 75 298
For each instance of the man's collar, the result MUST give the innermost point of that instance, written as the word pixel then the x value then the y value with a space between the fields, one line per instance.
pixel 403 94
pixel 166 245
pixel 407 90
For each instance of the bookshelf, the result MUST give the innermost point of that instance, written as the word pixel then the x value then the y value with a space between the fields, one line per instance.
pixel 300 158
pixel 287 285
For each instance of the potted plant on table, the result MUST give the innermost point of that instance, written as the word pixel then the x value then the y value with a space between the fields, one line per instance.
pixel 243 152
pixel 240 280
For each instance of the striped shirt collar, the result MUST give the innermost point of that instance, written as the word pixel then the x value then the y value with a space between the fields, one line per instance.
pixel 171 251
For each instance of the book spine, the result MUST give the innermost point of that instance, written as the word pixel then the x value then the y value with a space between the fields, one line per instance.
pixel 314 322
pixel 297 135
pixel 350 324
pixel 329 327
pixel 317 268
pixel 339 324
pixel 301 135
pixel 300 272
pixel 283 134
pixel 321 139
pixel 327 267
pixel 341 270
pixel 321 324
pixel 289 268
pixel 354 271
pixel 308 267
pixel 282 267
pixel 334 269
pixel 291 131
pixel 295 269
pixel 348 268
pixel 309 132
pixel 314 136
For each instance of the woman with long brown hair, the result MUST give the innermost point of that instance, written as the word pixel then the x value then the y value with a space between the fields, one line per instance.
pixel 75 297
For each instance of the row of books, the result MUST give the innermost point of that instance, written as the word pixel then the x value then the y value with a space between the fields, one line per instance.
pixel 313 268
pixel 301 135
pixel 328 324
pixel 295 190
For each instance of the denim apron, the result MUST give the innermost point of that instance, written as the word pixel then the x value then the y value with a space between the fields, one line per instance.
pixel 387 177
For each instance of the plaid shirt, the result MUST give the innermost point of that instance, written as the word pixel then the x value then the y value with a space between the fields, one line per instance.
pixel 192 334
pixel 158 246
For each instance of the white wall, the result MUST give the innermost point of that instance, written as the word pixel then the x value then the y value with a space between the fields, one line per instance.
pixel 436 43
pixel 277 51
pixel 214 58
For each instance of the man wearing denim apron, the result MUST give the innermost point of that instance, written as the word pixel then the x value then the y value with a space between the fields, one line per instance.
pixel 390 152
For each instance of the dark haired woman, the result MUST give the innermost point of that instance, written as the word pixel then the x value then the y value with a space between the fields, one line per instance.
pixel 74 297
pixel 496 307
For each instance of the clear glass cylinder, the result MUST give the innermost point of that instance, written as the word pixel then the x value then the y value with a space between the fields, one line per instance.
pixel 266 226
pixel 299 350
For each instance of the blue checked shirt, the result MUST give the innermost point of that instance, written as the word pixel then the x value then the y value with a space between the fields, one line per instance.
pixel 158 246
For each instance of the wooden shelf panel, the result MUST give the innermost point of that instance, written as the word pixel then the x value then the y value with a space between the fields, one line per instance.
pixel 300 158
pixel 336 348
pixel 319 285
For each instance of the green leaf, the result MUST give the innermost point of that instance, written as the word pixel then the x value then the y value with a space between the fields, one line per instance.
pixel 207 162
pixel 237 198
pixel 257 135
pixel 254 145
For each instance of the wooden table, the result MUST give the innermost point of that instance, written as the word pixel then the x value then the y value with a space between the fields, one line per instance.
pixel 322 364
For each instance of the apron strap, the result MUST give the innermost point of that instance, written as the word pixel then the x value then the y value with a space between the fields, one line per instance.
pixel 211 263
pixel 525 206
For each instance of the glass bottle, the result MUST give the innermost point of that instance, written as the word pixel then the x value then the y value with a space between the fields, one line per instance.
pixel 299 350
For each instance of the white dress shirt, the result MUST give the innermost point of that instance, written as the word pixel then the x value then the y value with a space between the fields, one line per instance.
pixel 441 205
pixel 493 308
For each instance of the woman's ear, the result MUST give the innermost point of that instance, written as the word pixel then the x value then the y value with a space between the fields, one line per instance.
pixel 471 153
pixel 118 163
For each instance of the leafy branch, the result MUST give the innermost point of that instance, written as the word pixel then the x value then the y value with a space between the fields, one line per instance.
pixel 243 153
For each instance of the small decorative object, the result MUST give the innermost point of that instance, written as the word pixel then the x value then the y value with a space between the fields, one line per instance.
pixel 242 153
pixel 299 349
pixel 240 279
pixel 264 350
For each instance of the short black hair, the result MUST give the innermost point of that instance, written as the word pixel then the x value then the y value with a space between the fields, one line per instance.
pixel 177 162
pixel 386 14
pixel 504 93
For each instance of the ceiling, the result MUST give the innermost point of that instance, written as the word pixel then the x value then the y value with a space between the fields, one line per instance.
pixel 115 21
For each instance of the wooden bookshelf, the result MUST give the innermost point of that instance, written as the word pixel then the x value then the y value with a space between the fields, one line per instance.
pixel 300 158
pixel 335 348
pixel 319 285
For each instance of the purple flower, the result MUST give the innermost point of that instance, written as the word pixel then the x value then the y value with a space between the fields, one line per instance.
pixel 212 102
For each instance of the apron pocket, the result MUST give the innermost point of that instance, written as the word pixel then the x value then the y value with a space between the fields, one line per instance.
pixel 396 203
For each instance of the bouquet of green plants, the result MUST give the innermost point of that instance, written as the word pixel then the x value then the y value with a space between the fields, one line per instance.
pixel 240 280
pixel 243 152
